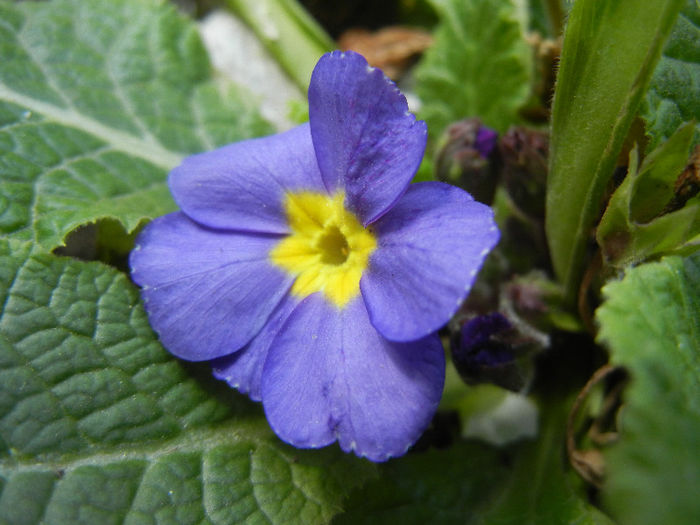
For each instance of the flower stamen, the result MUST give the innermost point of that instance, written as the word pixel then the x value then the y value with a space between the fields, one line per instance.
pixel 333 246
pixel 327 250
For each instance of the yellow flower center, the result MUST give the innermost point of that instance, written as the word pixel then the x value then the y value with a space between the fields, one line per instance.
pixel 327 249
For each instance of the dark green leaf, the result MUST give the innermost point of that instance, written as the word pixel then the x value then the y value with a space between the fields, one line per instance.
pixel 673 92
pixel 540 489
pixel 99 424
pixel 449 486
pixel 469 483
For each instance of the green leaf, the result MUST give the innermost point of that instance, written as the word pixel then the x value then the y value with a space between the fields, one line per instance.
pixel 539 21
pixel 655 182
pixel 609 53
pixel 446 486
pixel 634 227
pixel 547 17
pixel 98 100
pixel 99 424
pixel 478 66
pixel 471 483
pixel 541 489
pixel 672 97
pixel 650 323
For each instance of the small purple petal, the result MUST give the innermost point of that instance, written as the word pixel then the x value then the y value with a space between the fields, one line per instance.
pixel 330 375
pixel 482 352
pixel 241 186
pixel 243 370
pixel 430 248
pixel 366 140
pixel 486 139
pixel 476 347
pixel 476 332
pixel 207 292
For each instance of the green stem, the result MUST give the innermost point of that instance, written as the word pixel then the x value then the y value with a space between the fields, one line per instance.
pixel 555 12
pixel 288 32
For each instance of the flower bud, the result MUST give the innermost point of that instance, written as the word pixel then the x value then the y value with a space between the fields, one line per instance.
pixel 524 155
pixel 468 158
pixel 482 352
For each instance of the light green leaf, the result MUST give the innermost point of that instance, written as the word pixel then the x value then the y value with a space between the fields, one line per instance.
pixel 478 66
pixel 634 227
pixel 98 100
pixel 609 53
pixel 650 323
pixel 673 92
pixel 99 424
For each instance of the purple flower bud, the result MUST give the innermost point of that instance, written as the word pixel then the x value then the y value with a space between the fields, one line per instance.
pixel 477 332
pixel 468 158
pixel 524 153
pixel 485 142
pixel 482 353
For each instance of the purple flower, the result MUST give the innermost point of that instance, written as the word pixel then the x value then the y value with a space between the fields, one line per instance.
pixel 306 266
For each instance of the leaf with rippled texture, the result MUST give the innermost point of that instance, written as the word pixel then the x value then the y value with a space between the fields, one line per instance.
pixel 650 323
pixel 98 101
pixel 479 65
pixel 99 424
pixel 673 92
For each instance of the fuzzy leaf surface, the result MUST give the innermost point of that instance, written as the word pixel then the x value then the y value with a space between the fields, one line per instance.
pixel 636 225
pixel 650 323
pixel 98 100
pixel 608 57
pixel 672 97
pixel 99 424
pixel 478 66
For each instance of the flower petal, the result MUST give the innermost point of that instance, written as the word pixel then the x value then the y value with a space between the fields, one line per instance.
pixel 241 186
pixel 431 245
pixel 206 292
pixel 365 138
pixel 330 375
pixel 243 369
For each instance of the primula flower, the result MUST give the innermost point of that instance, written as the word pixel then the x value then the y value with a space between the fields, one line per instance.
pixel 306 266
